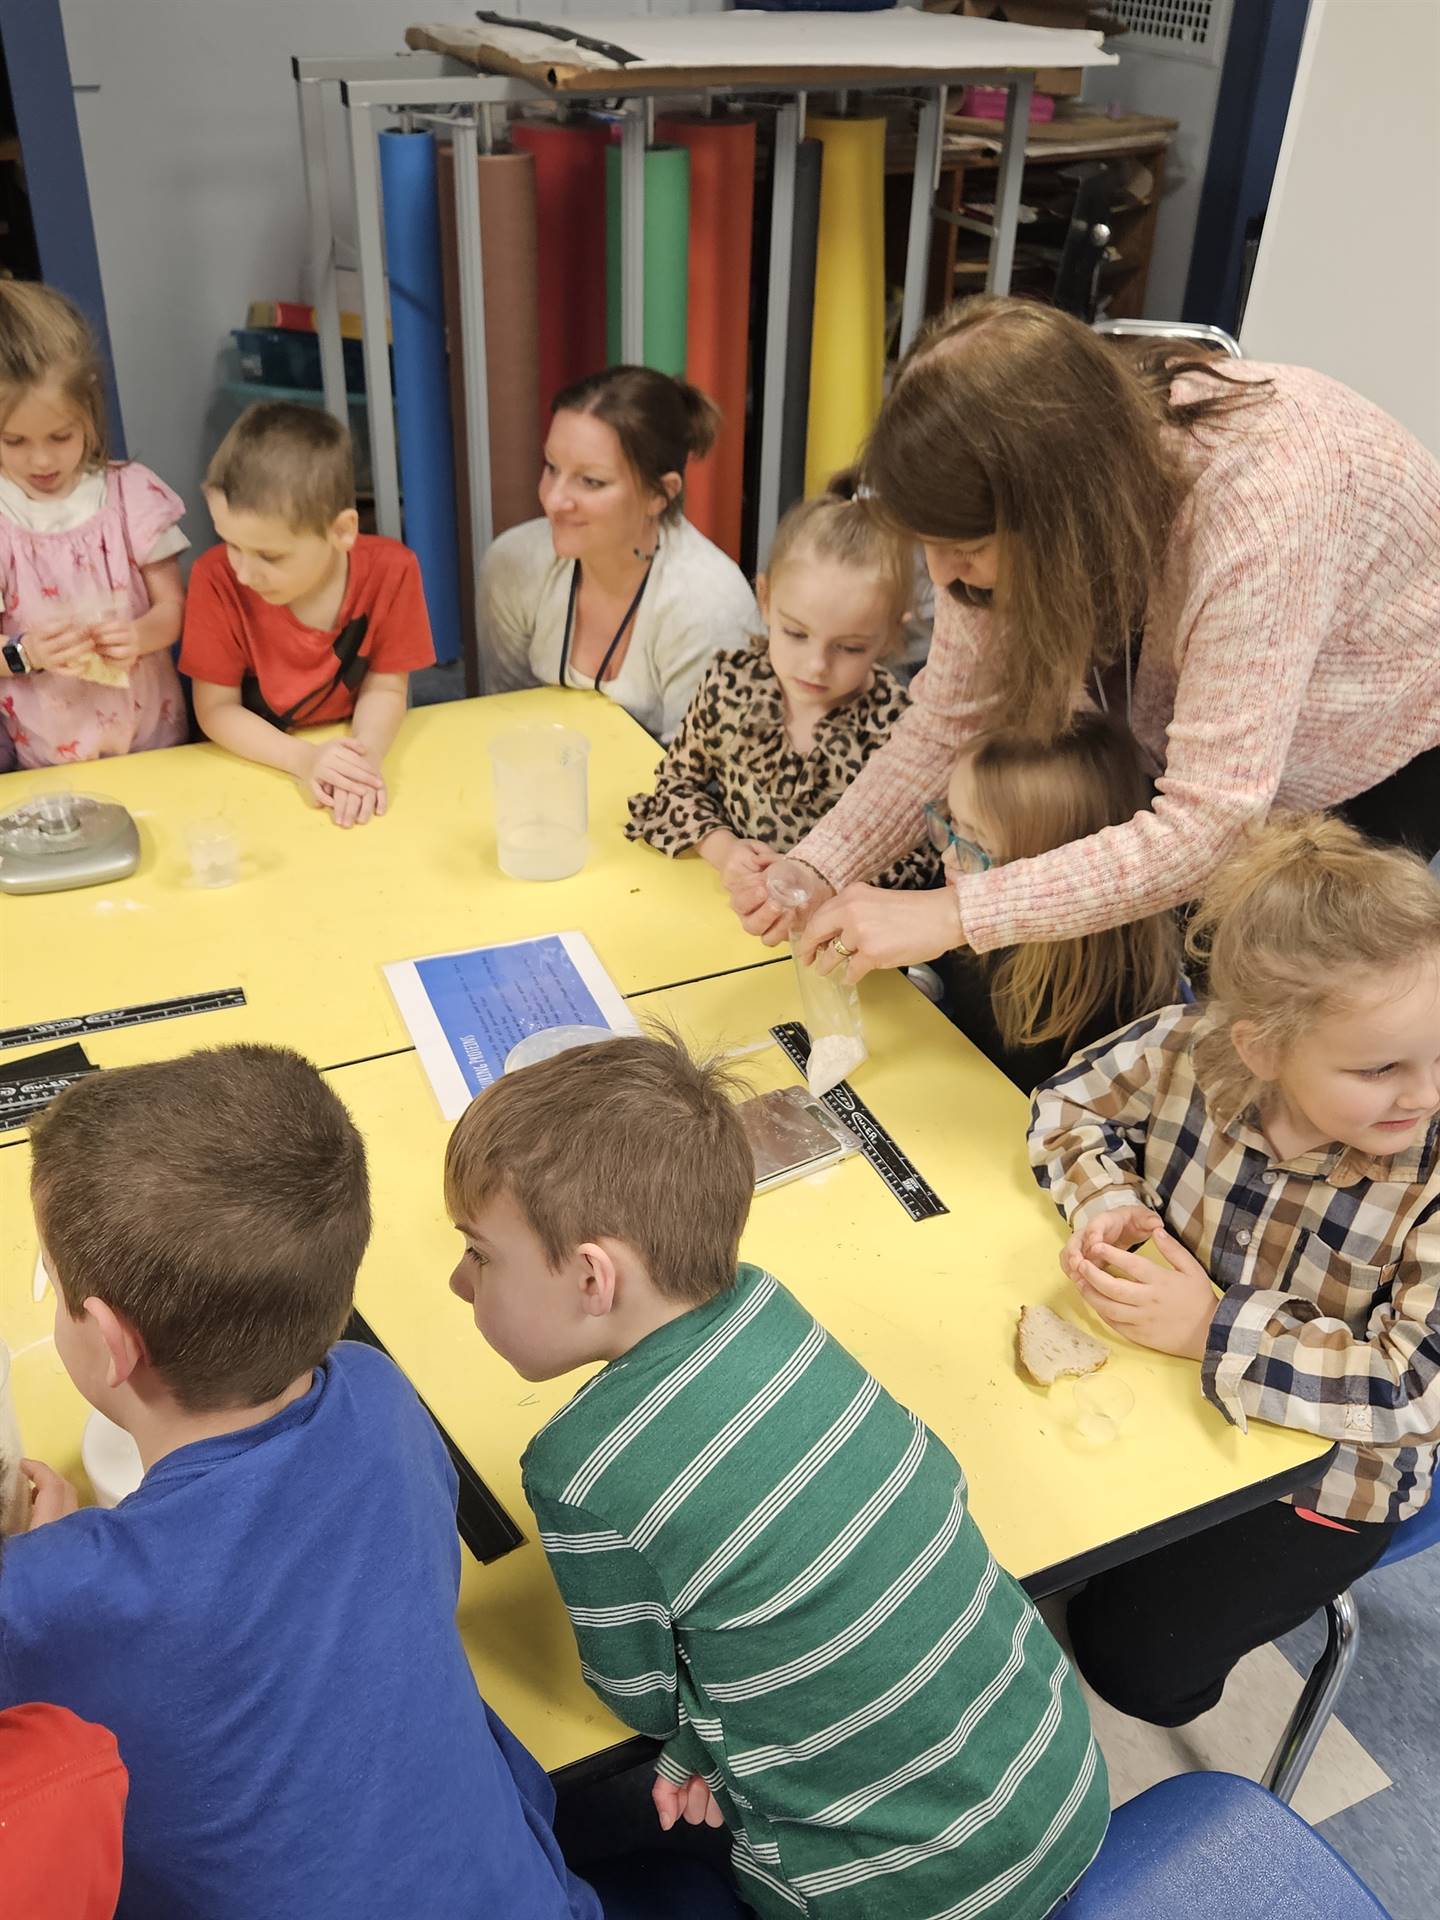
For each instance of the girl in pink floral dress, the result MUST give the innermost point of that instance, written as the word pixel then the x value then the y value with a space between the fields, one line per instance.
pixel 88 556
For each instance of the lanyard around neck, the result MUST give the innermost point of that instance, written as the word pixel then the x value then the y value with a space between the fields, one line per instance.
pixel 620 631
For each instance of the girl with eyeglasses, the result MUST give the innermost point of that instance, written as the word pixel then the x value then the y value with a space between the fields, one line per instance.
pixel 1028 1008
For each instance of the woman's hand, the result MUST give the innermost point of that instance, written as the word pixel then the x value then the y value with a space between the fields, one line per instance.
pixel 59 649
pixel 749 892
pixel 1169 1308
pixel 881 928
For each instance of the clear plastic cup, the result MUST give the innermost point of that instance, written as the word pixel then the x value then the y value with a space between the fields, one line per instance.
pixel 214 852
pixel 14 1487
pixel 542 802
pixel 548 1041
pixel 1100 1406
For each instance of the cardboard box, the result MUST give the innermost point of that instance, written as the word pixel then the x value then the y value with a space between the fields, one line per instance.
pixel 1061 82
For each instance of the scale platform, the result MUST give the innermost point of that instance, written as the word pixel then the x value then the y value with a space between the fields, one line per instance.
pixel 63 840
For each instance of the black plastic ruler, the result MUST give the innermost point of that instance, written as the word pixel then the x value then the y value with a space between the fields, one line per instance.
pixel 21 1100
pixel 879 1147
pixel 480 1519
pixel 77 1025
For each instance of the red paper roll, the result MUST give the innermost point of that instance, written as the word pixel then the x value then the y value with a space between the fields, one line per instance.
pixel 717 357
pixel 570 226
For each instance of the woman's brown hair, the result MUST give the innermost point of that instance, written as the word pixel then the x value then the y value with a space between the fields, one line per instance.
pixel 1305 915
pixel 1012 419
pixel 661 423
pixel 1031 799
pixel 44 337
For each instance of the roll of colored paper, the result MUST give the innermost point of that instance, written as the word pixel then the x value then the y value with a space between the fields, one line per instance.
pixel 422 392
pixel 847 346
pixel 509 253
pixel 667 274
pixel 795 420
pixel 508 260
pixel 717 323
pixel 570 228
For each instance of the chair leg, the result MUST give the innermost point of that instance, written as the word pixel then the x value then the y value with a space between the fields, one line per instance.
pixel 1317 1701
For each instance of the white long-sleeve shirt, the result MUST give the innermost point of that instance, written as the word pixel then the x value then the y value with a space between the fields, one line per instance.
pixel 696 602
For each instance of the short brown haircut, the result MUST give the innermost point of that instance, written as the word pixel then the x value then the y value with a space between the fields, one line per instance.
pixel 661 423
pixel 293 462
pixel 627 1139
pixel 220 1203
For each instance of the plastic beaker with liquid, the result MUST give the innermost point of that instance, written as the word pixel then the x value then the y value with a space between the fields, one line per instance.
pixel 542 802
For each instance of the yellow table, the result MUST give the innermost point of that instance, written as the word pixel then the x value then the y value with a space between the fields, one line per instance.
pixel 318 911
pixel 930 1308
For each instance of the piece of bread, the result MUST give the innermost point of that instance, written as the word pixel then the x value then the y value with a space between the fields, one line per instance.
pixel 1051 1348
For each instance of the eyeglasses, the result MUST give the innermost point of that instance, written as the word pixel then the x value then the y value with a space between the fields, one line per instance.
pixel 963 854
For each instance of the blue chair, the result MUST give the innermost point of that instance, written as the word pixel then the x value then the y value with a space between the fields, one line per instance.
pixel 1211 1846
pixel 1327 1676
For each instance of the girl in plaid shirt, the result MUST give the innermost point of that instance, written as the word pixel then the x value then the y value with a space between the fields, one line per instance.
pixel 1281 1144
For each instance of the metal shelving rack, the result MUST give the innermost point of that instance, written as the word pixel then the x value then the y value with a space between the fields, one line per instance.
pixel 440 91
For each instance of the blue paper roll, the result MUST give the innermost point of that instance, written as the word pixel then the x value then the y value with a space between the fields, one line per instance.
pixel 422 384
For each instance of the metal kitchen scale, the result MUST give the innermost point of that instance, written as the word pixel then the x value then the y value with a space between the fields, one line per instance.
pixel 61 840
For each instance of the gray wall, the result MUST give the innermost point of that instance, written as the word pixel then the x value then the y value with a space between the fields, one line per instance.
pixel 189 127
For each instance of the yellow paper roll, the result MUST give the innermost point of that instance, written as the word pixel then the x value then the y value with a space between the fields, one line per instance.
pixel 847 352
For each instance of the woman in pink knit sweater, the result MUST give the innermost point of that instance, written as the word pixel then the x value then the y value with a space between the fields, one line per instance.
pixel 1247 557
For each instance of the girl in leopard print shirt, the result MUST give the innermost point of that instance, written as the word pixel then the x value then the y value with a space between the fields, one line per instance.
pixel 779 729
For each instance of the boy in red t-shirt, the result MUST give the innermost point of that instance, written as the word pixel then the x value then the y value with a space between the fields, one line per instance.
pixel 300 618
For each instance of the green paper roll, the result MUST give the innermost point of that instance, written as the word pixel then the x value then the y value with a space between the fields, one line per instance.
pixel 667 257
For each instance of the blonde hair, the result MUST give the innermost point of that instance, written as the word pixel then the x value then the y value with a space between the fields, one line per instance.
pixel 836 525
pixel 1032 799
pixel 1291 927
pixel 43 337
pixel 295 463
pixel 1011 419
pixel 628 1139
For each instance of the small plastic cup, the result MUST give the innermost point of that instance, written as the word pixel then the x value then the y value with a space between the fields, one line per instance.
pixel 14 1487
pixel 542 802
pixel 549 1041
pixel 1100 1407
pixel 214 852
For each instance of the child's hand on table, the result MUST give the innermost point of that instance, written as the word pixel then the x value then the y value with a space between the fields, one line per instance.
pixel 344 779
pixel 59 649
pixel 1169 1308
pixel 54 1495
pixel 693 1801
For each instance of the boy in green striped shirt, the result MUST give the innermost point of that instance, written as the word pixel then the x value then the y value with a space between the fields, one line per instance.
pixel 769 1564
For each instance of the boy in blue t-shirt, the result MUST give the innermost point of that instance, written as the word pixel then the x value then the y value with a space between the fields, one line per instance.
pixel 268 1624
